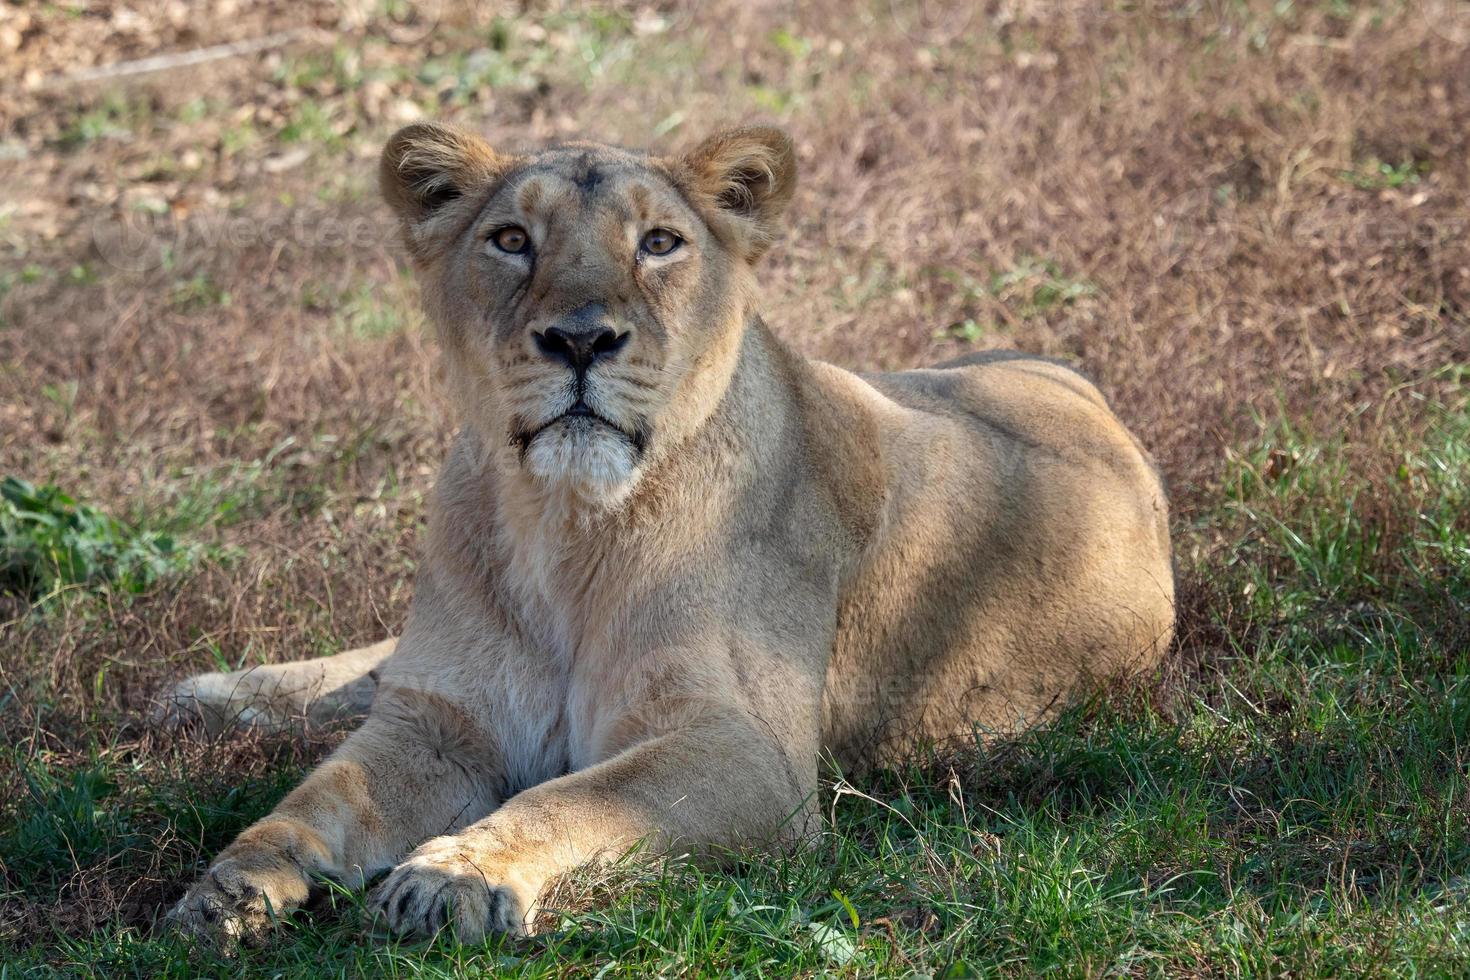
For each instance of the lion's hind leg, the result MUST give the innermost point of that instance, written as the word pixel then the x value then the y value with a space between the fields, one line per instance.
pixel 277 697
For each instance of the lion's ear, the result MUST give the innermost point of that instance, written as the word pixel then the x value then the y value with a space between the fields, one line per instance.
pixel 426 165
pixel 748 174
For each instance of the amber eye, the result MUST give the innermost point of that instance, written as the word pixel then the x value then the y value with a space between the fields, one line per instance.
pixel 660 241
pixel 511 239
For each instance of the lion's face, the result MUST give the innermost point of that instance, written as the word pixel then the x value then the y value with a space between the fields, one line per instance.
pixel 589 289
pixel 589 298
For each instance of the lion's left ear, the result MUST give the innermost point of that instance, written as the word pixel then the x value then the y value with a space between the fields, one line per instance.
pixel 747 175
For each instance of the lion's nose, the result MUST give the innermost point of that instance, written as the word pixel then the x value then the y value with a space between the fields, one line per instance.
pixel 579 348
pixel 580 339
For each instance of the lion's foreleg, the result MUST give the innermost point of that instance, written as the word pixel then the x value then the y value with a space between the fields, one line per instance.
pixel 415 769
pixel 720 782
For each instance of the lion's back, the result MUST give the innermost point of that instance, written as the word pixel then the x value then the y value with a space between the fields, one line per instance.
pixel 1024 549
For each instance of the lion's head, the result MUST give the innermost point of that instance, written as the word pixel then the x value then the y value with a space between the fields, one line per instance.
pixel 589 299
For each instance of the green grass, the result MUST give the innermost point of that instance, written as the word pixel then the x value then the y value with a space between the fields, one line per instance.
pixel 1377 175
pixel 1031 287
pixel 49 542
pixel 1293 801
pixel 311 122
pixel 374 310
pixel 117 117
pixel 197 293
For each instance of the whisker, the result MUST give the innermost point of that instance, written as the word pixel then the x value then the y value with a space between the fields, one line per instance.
pixel 638 383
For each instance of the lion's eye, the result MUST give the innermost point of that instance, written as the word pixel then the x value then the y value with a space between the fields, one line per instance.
pixel 511 239
pixel 660 241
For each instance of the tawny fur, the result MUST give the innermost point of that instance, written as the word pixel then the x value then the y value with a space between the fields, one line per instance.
pixel 645 629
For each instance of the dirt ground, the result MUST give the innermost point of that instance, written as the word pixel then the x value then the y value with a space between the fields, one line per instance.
pixel 1224 212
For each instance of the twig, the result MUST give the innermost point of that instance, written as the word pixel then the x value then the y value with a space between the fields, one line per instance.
pixel 181 59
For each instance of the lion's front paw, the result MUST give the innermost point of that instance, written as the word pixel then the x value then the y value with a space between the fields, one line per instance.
pixel 239 898
pixel 440 885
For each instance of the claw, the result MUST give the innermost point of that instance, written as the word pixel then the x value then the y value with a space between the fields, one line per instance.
pixel 423 895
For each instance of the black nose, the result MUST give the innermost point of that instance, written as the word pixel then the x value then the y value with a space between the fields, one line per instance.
pixel 578 346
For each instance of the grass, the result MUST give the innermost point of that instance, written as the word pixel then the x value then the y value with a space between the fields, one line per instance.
pixel 1030 287
pixel 1245 220
pixel 115 119
pixel 1383 176
pixel 48 542
pixel 1294 804
pixel 371 310
pixel 197 293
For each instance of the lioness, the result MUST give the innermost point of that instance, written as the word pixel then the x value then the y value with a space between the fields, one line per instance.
pixel 671 561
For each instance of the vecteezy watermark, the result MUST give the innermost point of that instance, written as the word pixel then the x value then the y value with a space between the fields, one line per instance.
pixel 1450 19
pixel 671 17
pixel 1383 230
pixel 942 21
pixel 140 241
pixel 401 21
pixel 932 21
pixel 1196 230
pixel 135 241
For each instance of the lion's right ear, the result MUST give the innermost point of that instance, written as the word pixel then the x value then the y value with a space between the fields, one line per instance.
pixel 427 165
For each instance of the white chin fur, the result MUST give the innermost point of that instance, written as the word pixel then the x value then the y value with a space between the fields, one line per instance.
pixel 587 456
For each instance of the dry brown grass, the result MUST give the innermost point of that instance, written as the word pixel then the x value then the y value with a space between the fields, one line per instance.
pixel 1207 174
